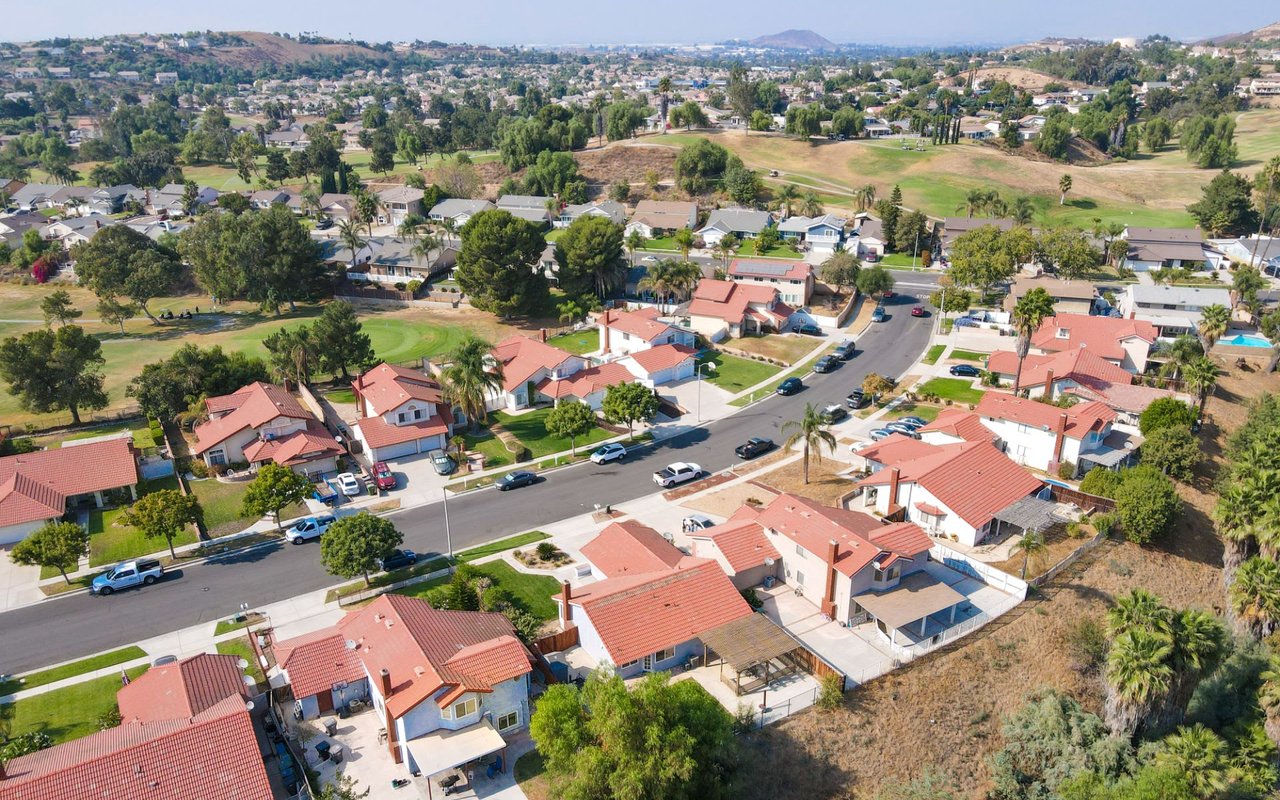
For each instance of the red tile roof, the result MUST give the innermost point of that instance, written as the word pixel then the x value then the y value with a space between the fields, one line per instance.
pixel 299 447
pixel 387 387
pixel 586 382
pixel 251 407
pixel 637 615
pixel 961 424
pixel 664 356
pixel 972 479
pixel 1069 364
pixel 1133 398
pixel 416 643
pixel 211 755
pixel 730 301
pixel 895 447
pixel 379 433
pixel 36 486
pixel 642 323
pixel 750 267
pixel 316 661
pixel 1081 418
pixel 629 548
pixel 742 543
pixel 522 357
pixel 183 689
pixel 813 526
pixel 1101 335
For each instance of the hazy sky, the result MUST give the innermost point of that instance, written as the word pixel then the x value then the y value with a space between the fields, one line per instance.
pixel 611 21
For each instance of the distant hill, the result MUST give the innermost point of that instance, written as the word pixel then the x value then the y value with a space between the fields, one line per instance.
pixel 262 48
pixel 1267 33
pixel 794 40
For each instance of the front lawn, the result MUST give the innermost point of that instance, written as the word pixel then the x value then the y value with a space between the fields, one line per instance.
pixel 553 235
pixel 967 355
pixel 924 412
pixel 533 593
pixel 661 243
pixel 241 647
pixel 734 374
pixel 221 504
pixel 957 390
pixel 934 354
pixel 899 260
pixel 578 342
pixel 531 429
pixel 47 676
pixel 794 372
pixel 502 545
pixel 67 713
pixel 748 249
pixel 495 452
pixel 388 578
pixel 110 542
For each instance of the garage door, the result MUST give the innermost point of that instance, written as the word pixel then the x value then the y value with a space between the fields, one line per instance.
pixel 394 451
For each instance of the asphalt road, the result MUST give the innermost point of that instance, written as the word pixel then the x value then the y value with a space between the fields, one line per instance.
pixel 79 625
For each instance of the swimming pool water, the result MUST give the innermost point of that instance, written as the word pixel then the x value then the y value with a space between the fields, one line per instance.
pixel 1245 340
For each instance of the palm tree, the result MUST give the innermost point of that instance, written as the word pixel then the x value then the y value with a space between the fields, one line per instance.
pixel 685 276
pixel 660 280
pixel 570 312
pixel 1139 609
pixel 470 376
pixel 635 241
pixel 1269 698
pixel 1239 509
pixel 1200 756
pixel 1200 378
pixel 1032 547
pixel 1064 186
pixel 810 204
pixel 725 248
pixel 553 207
pixel 811 432
pixel 424 247
pixel 866 196
pixel 1255 597
pixel 349 233
pixel 1138 675
pixel 1031 310
pixel 1178 354
pixel 684 241
pixel 1214 320
pixel 1022 211
pixel 974 202
pixel 996 205
pixel 786 196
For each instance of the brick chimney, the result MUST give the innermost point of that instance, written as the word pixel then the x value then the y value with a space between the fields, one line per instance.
pixel 393 746
pixel 566 610
pixel 608 317
pixel 1048 385
pixel 384 682
pixel 829 593
pixel 1059 440
pixel 895 475
pixel 542 334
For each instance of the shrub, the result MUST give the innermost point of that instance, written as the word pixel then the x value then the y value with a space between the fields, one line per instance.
pixel 1104 523
pixel 109 719
pixel 1066 470
pixel 831 693
pixel 1086 644
pixel 744 719
pixel 1074 530
pixel 400 286
pixel 1166 412
pixel 42 270
pixel 1100 482
pixel 752 599
pixel 546 551
pixel 25 744
pixel 414 287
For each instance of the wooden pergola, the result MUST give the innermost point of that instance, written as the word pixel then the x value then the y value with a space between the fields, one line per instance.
pixel 754 648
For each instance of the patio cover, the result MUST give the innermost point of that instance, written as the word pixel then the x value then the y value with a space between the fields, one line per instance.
pixel 1030 514
pixel 443 749
pixel 748 641
pixel 1118 446
pixel 917 596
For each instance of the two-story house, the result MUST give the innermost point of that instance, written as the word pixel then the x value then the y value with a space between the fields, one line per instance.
pixel 792 279
pixel 625 332
pixel 742 223
pixel 402 413
pixel 822 234
pixel 1124 342
pixel 1054 373
pixel 1043 437
pixel 1173 310
pixel 662 217
pixel 399 203
pixel 263 422
pixel 536 372
pixel 722 309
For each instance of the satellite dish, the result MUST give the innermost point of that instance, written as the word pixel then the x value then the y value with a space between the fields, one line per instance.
pixel 350 644
pixel 249 681
pixel 248 705
pixel 243 664
pixel 769 562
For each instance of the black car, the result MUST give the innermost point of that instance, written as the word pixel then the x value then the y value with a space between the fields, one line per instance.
pixel 807 328
pixel 514 480
pixel 398 559
pixel 324 224
pixel 966 371
pixel 790 386
pixel 833 414
pixel 753 448
pixel 845 351
pixel 826 364
pixel 856 399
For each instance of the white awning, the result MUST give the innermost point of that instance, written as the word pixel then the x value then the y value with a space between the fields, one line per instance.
pixel 443 749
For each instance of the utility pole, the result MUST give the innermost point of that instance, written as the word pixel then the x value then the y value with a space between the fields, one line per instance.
pixel 448 534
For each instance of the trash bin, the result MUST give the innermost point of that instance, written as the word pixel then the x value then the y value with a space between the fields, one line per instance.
pixel 768 581
pixel 335 754
pixel 322 750
pixel 330 726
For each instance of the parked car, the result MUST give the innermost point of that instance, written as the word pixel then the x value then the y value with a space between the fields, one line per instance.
pixel 917 311
pixel 514 480
pixel 878 314
pixel 677 473
pixel 826 364
pixel 790 386
pixel 324 223
pixel 127 574
pixel 383 476
pixel 442 462
pixel 610 452
pixel 697 522
pixel 966 371
pixel 753 448
pixel 834 413
pixel 888 295
pixel 901 427
pixel 880 433
pixel 398 559
pixel 917 421
pixel 845 350
pixel 807 328
pixel 164 661
pixel 309 528
pixel 857 399
pixel 349 485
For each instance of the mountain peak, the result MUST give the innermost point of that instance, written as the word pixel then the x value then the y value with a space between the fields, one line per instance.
pixel 794 40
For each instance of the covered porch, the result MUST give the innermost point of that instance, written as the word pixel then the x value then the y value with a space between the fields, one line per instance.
pixel 453 759
pixel 919 608
pixel 1118 449
pixel 751 653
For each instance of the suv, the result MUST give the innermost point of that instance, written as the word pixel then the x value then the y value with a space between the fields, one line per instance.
pixel 610 452
pixel 826 364
pixel 126 574
pixel 845 351
pixel 790 386
pixel 397 559
pixel 307 529
pixel 383 476
pixel 833 413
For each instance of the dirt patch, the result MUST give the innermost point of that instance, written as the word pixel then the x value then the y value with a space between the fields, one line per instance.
pixel 825 484
pixel 1020 78
pixel 697 486
pixel 787 348
pixel 626 162
pixel 731 498
pixel 1058 546
pixel 267 48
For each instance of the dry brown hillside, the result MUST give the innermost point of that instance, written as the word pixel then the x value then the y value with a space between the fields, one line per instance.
pixel 267 48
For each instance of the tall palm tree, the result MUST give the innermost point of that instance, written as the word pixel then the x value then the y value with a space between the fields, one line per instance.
pixel 469 377
pixel 425 245
pixel 996 205
pixel 1139 609
pixel 1200 378
pixel 974 201
pixel 1214 320
pixel 810 432
pixel 1178 354
pixel 866 196
pixel 787 195
pixel 1032 547
pixel 1064 186
pixel 725 248
pixel 1030 311
pixel 635 241
pixel 1269 698
pixel 1200 756
pixel 349 233
pixel 1240 508
pixel 1255 597
pixel 661 280
pixel 1138 675
pixel 684 241
pixel 1022 212
pixel 811 204
pixel 685 278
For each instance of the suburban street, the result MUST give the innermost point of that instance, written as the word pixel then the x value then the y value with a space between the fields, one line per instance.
pixel 78 625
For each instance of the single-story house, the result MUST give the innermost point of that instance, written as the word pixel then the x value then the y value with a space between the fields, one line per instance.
pixel 1069 297
pixel 661 217
pixel 457 209
pixel 611 210
pixel 1154 248
pixel 41 486
pixel 663 364
pixel 264 422
pixel 527 207
pixel 955 227
pixel 321 671
pixel 743 223
pixel 401 412
pixel 182 689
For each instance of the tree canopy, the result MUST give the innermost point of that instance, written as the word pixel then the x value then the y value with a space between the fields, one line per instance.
pixel 170 387
pixel 495 266
pixel 590 256
pixel 121 262
pixel 52 370
pixel 354 545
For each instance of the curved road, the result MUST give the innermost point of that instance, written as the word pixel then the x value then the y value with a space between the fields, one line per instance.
pixel 61 629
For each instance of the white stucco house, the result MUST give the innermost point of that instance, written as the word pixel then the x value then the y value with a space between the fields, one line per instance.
pixel 263 422
pixel 402 413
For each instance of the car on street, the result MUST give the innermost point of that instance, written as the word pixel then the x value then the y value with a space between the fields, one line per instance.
pixel 610 452
pixel 807 328
pixel 845 350
pixel 308 528
pixel 127 574
pixel 857 399
pixel 677 473
pixel 834 413
pixel 880 433
pixel 349 485
pixel 697 522
pixel 383 476
pixel 398 559
pixel 917 311
pixel 162 661
pixel 442 462
pixel 790 386
pixel 917 421
pixel 878 314
pixel 324 223
pixel 888 295
pixel 514 480
pixel 753 448
pixel 965 371
pixel 826 364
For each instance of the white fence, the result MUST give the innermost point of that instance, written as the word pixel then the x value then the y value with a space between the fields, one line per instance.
pixel 996 579
pixel 956 631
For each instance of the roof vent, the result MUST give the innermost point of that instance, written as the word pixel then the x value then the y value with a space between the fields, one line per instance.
pixel 389 623
pixel 419 671
pixel 377 617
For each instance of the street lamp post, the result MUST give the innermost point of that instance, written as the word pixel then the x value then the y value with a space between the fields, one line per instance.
pixel 698 370
pixel 448 534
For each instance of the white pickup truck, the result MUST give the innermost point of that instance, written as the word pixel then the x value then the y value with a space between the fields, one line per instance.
pixel 127 574
pixel 679 472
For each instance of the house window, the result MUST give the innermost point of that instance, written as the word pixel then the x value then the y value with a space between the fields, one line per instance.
pixel 417 413
pixel 508 721
pixel 884 577
pixel 799 577
pixel 402 418
pixel 462 708
pixel 799 550
pixel 664 655
pixel 217 458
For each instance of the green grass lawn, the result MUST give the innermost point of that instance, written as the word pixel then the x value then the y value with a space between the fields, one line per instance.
pixel 345 395
pixel 661 243
pixel 554 234
pixel 898 260
pixel 924 412
pixel 47 676
pixel 141 435
pixel 748 248
pixel 495 452
pixel 530 428
pixel 241 647
pixel 388 578
pixel 735 374
pixel 935 352
pixel 532 592
pixel 967 355
pixel 67 713
pixel 794 372
pixel 110 542
pixel 955 389
pixel 502 545
pixel 579 342
pixel 221 504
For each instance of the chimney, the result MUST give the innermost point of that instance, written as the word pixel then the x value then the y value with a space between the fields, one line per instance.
pixel 829 592
pixel 384 682
pixel 607 319
pixel 1059 440
pixel 894 475
pixel 1048 385
pixel 566 610
pixel 542 334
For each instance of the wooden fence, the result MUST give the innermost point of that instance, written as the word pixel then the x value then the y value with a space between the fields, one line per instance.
pixel 1089 502
pixel 815 665
pixel 373 293
pixel 555 642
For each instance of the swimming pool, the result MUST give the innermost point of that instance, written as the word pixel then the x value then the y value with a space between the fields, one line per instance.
pixel 1245 340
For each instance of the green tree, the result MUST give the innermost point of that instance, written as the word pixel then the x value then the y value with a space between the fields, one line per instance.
pixel 341 787
pixel 1070 253
pixel 787 195
pixel 1064 186
pixel 469 377
pixel 494 266
pixel 165 389
pixel 741 184
pixel 293 354
pixel 340 341
pixel 163 514
pixel 57 306
pixel 1199 755
pixel 589 254
pixel 59 545
pixel 635 241
pixel 684 241
pixel 273 489
pixel 1175 451
pixel 874 281
pixel 804 121
pixel 1254 597
pixel 50 370
pixel 1200 378
pixel 119 261
pixel 1225 208
pixel 629 403
pixel 699 165
pixel 1165 412
pixel 1147 504
pixel 847 122
pixel 1054 137
pixel 841 270
pixel 1032 546
pixel 354 545
pixel 1209 141
pixel 1031 309
pixel 552 174
pixel 569 420
pixel 983 257
pixel 1156 133
pixel 811 433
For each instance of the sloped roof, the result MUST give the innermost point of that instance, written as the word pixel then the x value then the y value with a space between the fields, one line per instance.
pixel 729 301
pixel 960 424
pixel 1101 335
pixel 742 543
pixel 643 323
pixel 1081 419
pixel 522 357
pixel 299 447
pixel 1073 364
pixel 664 356
pixel 1133 398
pixel 666 213
pixel 813 526
pixel 379 433
pixel 183 689
pixel 387 387
pixel 629 548
pixel 251 407
pixel 588 381
pixel 316 661
pixel 773 270
pixel 896 447
pixel 34 484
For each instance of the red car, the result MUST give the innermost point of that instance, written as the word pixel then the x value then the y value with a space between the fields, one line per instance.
pixel 917 311
pixel 383 477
